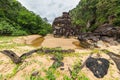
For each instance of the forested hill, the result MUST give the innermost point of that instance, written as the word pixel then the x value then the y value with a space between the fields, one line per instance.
pixel 93 13
pixel 17 20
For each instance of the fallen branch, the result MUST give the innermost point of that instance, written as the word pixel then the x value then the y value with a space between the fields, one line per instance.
pixel 15 58
pixel 29 53
pixel 115 58
pixel 18 59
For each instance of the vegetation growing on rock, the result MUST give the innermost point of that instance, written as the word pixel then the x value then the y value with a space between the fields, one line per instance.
pixel 92 13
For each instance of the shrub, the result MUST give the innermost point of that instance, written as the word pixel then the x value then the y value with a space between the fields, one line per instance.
pixel 50 75
pixel 6 28
pixel 66 78
pixel 19 33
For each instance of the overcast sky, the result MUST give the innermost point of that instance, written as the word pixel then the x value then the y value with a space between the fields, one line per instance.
pixel 49 8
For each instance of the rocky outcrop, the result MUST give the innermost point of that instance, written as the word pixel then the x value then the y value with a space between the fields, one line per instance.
pixel 109 31
pixel 62 26
pixel 106 33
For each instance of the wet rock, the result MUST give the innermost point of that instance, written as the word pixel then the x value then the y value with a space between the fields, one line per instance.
pixel 99 66
pixel 85 44
pixel 35 73
pixel 89 36
pixel 106 33
pixel 57 64
pixel 54 58
pixel 101 44
pixel 68 51
pixel 106 39
pixel 62 69
pixel 108 30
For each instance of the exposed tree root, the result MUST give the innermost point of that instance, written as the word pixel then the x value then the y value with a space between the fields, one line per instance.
pixel 15 58
pixel 18 59
pixel 115 58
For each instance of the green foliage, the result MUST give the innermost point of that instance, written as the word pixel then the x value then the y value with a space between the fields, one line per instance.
pixel 45 28
pixel 66 78
pixel 19 33
pixel 96 13
pixel 76 73
pixel 82 77
pixel 6 28
pixel 58 61
pixel 34 78
pixel 19 18
pixel 1 77
pixel 14 71
pixel 59 56
pixel 50 74
pixel 76 70
pixel 56 65
pixel 105 51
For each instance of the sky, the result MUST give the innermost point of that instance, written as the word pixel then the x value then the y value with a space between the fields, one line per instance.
pixel 49 8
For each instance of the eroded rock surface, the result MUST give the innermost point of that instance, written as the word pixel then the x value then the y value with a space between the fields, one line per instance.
pixel 62 26
pixel 99 66
pixel 106 33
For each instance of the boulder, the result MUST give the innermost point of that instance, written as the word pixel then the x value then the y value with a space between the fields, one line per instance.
pixel 62 26
pixel 35 73
pixel 108 30
pixel 99 66
pixel 106 33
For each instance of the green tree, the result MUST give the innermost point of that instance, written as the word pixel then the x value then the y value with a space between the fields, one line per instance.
pixel 24 21
pixel 96 13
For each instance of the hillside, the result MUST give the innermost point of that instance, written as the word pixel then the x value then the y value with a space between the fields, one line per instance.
pixel 17 20
pixel 92 13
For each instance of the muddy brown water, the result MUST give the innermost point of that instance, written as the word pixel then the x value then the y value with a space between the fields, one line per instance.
pixel 77 44
pixel 37 42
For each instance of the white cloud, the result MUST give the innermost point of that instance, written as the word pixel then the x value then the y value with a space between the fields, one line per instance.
pixel 49 8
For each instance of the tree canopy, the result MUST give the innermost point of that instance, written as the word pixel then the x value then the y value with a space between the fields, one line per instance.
pixel 92 13
pixel 17 20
